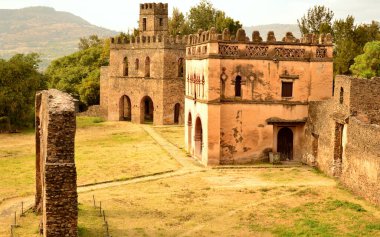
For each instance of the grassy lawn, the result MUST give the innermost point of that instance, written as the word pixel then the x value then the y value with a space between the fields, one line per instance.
pixel 104 151
pixel 244 202
pixel 174 134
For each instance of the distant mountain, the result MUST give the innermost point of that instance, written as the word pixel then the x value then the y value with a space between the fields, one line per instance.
pixel 44 30
pixel 279 30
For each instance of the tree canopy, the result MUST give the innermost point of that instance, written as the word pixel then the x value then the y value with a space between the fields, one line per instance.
pixel 367 65
pixel 19 81
pixel 316 21
pixel 202 16
pixel 79 73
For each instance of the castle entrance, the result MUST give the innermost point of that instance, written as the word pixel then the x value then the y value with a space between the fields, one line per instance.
pixel 125 109
pixel 198 138
pixel 147 109
pixel 285 143
pixel 338 149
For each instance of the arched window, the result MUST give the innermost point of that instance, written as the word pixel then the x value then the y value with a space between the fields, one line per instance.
pixel 137 64
pixel 147 67
pixel 180 67
pixel 125 66
pixel 341 95
pixel 238 86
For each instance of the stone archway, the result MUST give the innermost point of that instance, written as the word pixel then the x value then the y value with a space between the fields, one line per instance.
pixel 177 108
pixel 125 109
pixel 198 137
pixel 285 143
pixel 147 110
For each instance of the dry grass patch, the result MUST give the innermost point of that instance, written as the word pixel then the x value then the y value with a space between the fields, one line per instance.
pixel 105 151
pixel 174 134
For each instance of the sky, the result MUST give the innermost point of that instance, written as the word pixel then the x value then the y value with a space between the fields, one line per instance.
pixel 121 15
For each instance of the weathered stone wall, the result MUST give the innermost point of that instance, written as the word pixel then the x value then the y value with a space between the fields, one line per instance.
pixel 94 111
pixel 365 98
pixel 361 167
pixel 354 107
pixel 164 85
pixel 56 188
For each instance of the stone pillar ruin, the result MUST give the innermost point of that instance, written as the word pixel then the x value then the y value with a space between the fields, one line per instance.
pixel 56 178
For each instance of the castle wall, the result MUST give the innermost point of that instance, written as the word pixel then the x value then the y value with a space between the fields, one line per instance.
pixel 247 137
pixel 359 165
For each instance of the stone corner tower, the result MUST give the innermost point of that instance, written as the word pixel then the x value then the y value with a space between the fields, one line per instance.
pixel 153 19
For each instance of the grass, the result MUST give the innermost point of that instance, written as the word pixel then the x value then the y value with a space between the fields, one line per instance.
pixel 104 151
pixel 174 134
pixel 232 203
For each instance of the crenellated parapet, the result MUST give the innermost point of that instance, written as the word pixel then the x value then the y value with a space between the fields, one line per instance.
pixel 154 8
pixel 148 42
pixel 211 44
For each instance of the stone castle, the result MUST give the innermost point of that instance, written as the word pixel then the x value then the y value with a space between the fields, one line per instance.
pixel 145 79
pixel 244 99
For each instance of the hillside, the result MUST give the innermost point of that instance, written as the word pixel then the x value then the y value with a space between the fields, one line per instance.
pixel 279 30
pixel 43 30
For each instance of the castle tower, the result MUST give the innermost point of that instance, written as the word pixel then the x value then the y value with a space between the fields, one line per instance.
pixel 153 19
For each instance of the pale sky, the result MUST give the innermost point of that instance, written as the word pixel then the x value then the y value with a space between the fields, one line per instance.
pixel 121 15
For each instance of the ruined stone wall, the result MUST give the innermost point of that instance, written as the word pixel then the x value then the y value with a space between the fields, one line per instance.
pixel 359 168
pixel 365 97
pixel 104 74
pixel 56 188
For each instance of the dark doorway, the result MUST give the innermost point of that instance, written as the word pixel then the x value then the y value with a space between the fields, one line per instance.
pixel 238 86
pixel 147 109
pixel 125 113
pixel 189 130
pixel 285 143
pixel 198 137
pixel 177 108
pixel 338 149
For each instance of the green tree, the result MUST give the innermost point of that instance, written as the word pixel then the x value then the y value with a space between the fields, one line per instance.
pixel 367 65
pixel 91 41
pixel 79 73
pixel 202 16
pixel 317 21
pixel 19 81
pixel 350 40
pixel 178 25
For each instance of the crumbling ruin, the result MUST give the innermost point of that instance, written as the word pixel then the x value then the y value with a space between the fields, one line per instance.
pixel 56 187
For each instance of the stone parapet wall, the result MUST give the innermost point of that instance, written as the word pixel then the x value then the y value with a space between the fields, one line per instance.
pixel 56 176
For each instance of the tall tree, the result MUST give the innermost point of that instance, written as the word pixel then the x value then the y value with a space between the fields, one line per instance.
pixel 202 16
pixel 350 40
pixel 19 81
pixel 91 41
pixel 178 25
pixel 317 21
pixel 367 65
pixel 79 73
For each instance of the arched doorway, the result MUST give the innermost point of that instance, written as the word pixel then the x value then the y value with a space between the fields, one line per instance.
pixel 147 109
pixel 177 108
pixel 189 130
pixel 198 137
pixel 125 109
pixel 285 143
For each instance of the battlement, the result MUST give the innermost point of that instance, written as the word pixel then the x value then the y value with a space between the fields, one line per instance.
pixel 241 37
pixel 154 9
pixel 146 41
pixel 210 44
